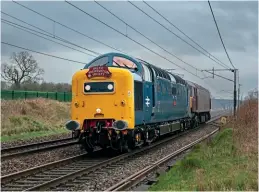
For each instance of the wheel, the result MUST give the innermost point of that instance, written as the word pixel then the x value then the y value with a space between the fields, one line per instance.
pixel 182 127
pixel 126 149
pixel 86 145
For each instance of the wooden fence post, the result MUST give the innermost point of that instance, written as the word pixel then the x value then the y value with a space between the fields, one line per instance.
pixel 12 94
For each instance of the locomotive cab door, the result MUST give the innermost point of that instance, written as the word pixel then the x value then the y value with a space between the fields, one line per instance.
pixel 148 96
pixel 194 100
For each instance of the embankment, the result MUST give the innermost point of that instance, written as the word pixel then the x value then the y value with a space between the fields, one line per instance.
pixel 33 117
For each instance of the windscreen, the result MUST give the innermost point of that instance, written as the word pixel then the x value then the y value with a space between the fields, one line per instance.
pixel 99 62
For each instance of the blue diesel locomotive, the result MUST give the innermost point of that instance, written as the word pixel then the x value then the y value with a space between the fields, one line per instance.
pixel 123 102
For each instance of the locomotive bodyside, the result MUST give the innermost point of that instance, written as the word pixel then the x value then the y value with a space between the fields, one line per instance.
pixel 200 102
pixel 170 94
pixel 122 102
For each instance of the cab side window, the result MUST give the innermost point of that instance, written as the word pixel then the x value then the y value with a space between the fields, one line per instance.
pixel 147 73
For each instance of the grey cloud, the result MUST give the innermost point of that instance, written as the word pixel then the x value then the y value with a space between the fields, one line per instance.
pixel 237 21
pixel 199 24
pixel 194 20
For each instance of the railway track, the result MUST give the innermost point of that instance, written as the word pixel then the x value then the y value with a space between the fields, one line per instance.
pixel 134 179
pixel 16 151
pixel 76 170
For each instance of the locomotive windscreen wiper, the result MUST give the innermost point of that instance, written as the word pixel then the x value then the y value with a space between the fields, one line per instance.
pixel 119 64
pixel 105 64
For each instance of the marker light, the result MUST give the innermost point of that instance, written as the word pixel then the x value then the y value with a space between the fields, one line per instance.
pixel 87 87
pixel 110 86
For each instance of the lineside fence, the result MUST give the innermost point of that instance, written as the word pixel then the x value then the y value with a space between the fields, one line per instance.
pixel 60 96
pixel 67 97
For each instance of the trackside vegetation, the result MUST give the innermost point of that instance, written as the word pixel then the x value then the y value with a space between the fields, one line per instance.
pixel 24 119
pixel 228 162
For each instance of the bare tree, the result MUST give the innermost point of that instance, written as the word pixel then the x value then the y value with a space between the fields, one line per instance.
pixel 4 85
pixel 24 68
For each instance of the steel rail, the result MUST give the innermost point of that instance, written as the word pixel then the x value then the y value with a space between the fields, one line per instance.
pixel 17 175
pixel 8 149
pixel 26 151
pixel 77 170
pixel 136 178
pixel 107 162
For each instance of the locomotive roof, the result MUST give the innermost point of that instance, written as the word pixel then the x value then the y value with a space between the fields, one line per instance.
pixel 196 85
pixel 178 79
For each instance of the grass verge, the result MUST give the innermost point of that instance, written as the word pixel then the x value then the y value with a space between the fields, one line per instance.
pixel 216 167
pixel 24 119
pixel 229 162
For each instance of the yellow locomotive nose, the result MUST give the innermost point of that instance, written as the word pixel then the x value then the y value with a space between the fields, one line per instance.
pixel 105 97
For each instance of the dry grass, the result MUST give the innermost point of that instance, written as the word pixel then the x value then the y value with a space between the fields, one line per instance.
pixel 245 127
pixel 21 116
pixel 228 163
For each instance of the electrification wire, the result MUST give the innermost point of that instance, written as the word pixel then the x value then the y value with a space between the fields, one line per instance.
pixel 54 56
pixel 97 40
pixel 65 26
pixel 50 34
pixel 144 35
pixel 174 33
pixel 129 38
pixel 220 34
pixel 27 30
pixel 215 90
pixel 183 32
pixel 219 76
pixel 25 22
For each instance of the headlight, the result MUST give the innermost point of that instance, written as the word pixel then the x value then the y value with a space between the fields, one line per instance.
pixel 110 86
pixel 87 87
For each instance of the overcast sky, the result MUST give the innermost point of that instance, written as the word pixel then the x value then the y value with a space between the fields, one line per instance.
pixel 237 21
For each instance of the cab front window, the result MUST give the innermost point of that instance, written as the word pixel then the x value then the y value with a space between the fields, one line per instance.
pixel 98 87
pixel 99 62
pixel 123 62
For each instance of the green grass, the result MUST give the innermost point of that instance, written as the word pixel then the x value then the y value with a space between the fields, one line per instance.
pixel 216 166
pixel 29 135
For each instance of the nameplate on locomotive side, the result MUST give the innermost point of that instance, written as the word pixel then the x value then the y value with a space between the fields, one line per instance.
pixel 98 71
